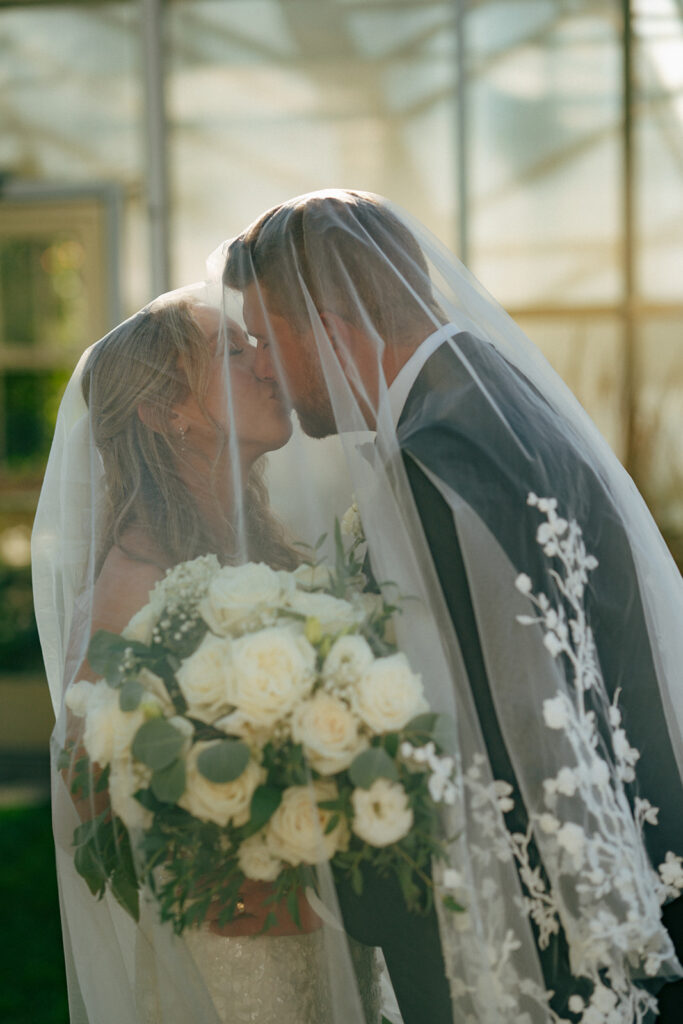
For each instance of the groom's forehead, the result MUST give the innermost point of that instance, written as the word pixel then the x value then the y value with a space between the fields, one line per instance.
pixel 255 309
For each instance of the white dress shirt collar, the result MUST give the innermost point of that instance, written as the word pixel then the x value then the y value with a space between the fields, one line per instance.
pixel 409 372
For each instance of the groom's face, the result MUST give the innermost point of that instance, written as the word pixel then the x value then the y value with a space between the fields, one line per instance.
pixel 289 356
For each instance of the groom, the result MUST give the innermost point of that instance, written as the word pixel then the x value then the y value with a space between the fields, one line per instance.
pixel 428 395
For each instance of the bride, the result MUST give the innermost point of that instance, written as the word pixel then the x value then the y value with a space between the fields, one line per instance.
pixel 157 459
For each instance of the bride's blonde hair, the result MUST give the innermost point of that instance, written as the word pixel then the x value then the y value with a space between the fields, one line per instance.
pixel 151 362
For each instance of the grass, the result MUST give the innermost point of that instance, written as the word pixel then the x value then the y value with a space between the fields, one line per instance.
pixel 33 986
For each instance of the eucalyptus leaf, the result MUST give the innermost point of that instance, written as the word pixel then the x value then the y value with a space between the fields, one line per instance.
pixel 224 761
pixel 264 803
pixel 89 867
pixel 64 759
pixel 157 743
pixel 421 725
pixel 370 765
pixel 130 695
pixel 168 784
pixel 444 734
pixel 125 889
pixel 106 652
pixel 85 832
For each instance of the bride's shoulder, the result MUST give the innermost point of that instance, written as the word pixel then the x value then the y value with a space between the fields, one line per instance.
pixel 128 574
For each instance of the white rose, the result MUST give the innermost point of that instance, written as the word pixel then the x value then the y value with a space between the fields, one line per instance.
pixel 143 622
pixel 388 694
pixel 78 696
pixel 126 777
pixel 220 802
pixel 316 577
pixel 109 732
pixel 296 832
pixel 238 724
pixel 328 732
pixel 244 596
pixel 368 605
pixel 203 679
pixel 382 814
pixel 333 613
pixel 256 860
pixel 349 657
pixel 273 670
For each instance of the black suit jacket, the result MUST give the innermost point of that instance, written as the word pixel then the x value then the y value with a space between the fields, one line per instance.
pixel 493 451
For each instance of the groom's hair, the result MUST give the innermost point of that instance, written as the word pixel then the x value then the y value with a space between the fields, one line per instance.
pixel 343 251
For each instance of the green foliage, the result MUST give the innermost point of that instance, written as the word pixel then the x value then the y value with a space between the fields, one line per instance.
pixel 168 784
pixel 436 727
pixel 103 854
pixel 157 743
pixel 370 765
pixel 264 803
pixel 130 695
pixel 224 761
pixel 107 654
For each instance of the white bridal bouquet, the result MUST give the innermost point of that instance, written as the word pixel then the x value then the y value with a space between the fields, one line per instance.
pixel 250 724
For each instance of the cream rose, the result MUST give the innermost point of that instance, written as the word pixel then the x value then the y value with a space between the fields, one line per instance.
pixel 316 577
pixel 143 622
pixel 381 814
pixel 388 694
pixel 237 724
pixel 203 679
pixel 329 733
pixel 108 732
pixel 126 777
pixel 256 860
pixel 221 802
pixel 333 613
pixel 296 832
pixel 273 670
pixel 349 658
pixel 78 696
pixel 243 597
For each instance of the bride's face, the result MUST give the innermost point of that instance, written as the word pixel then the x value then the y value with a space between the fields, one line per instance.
pixel 235 398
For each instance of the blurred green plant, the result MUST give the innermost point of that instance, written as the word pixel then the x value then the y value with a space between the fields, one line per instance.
pixel 33 990
pixel 19 643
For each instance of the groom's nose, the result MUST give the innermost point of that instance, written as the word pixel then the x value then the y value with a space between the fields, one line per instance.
pixel 263 366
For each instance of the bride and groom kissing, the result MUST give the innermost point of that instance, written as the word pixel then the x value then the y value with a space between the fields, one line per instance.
pixel 538 598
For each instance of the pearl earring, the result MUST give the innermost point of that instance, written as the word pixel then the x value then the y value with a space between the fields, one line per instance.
pixel 183 434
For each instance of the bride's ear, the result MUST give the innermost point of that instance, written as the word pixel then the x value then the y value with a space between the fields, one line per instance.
pixel 151 417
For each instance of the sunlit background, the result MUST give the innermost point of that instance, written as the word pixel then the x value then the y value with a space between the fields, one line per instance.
pixel 542 140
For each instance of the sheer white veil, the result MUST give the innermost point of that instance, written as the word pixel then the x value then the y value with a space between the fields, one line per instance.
pixel 554 540
pixel 539 605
